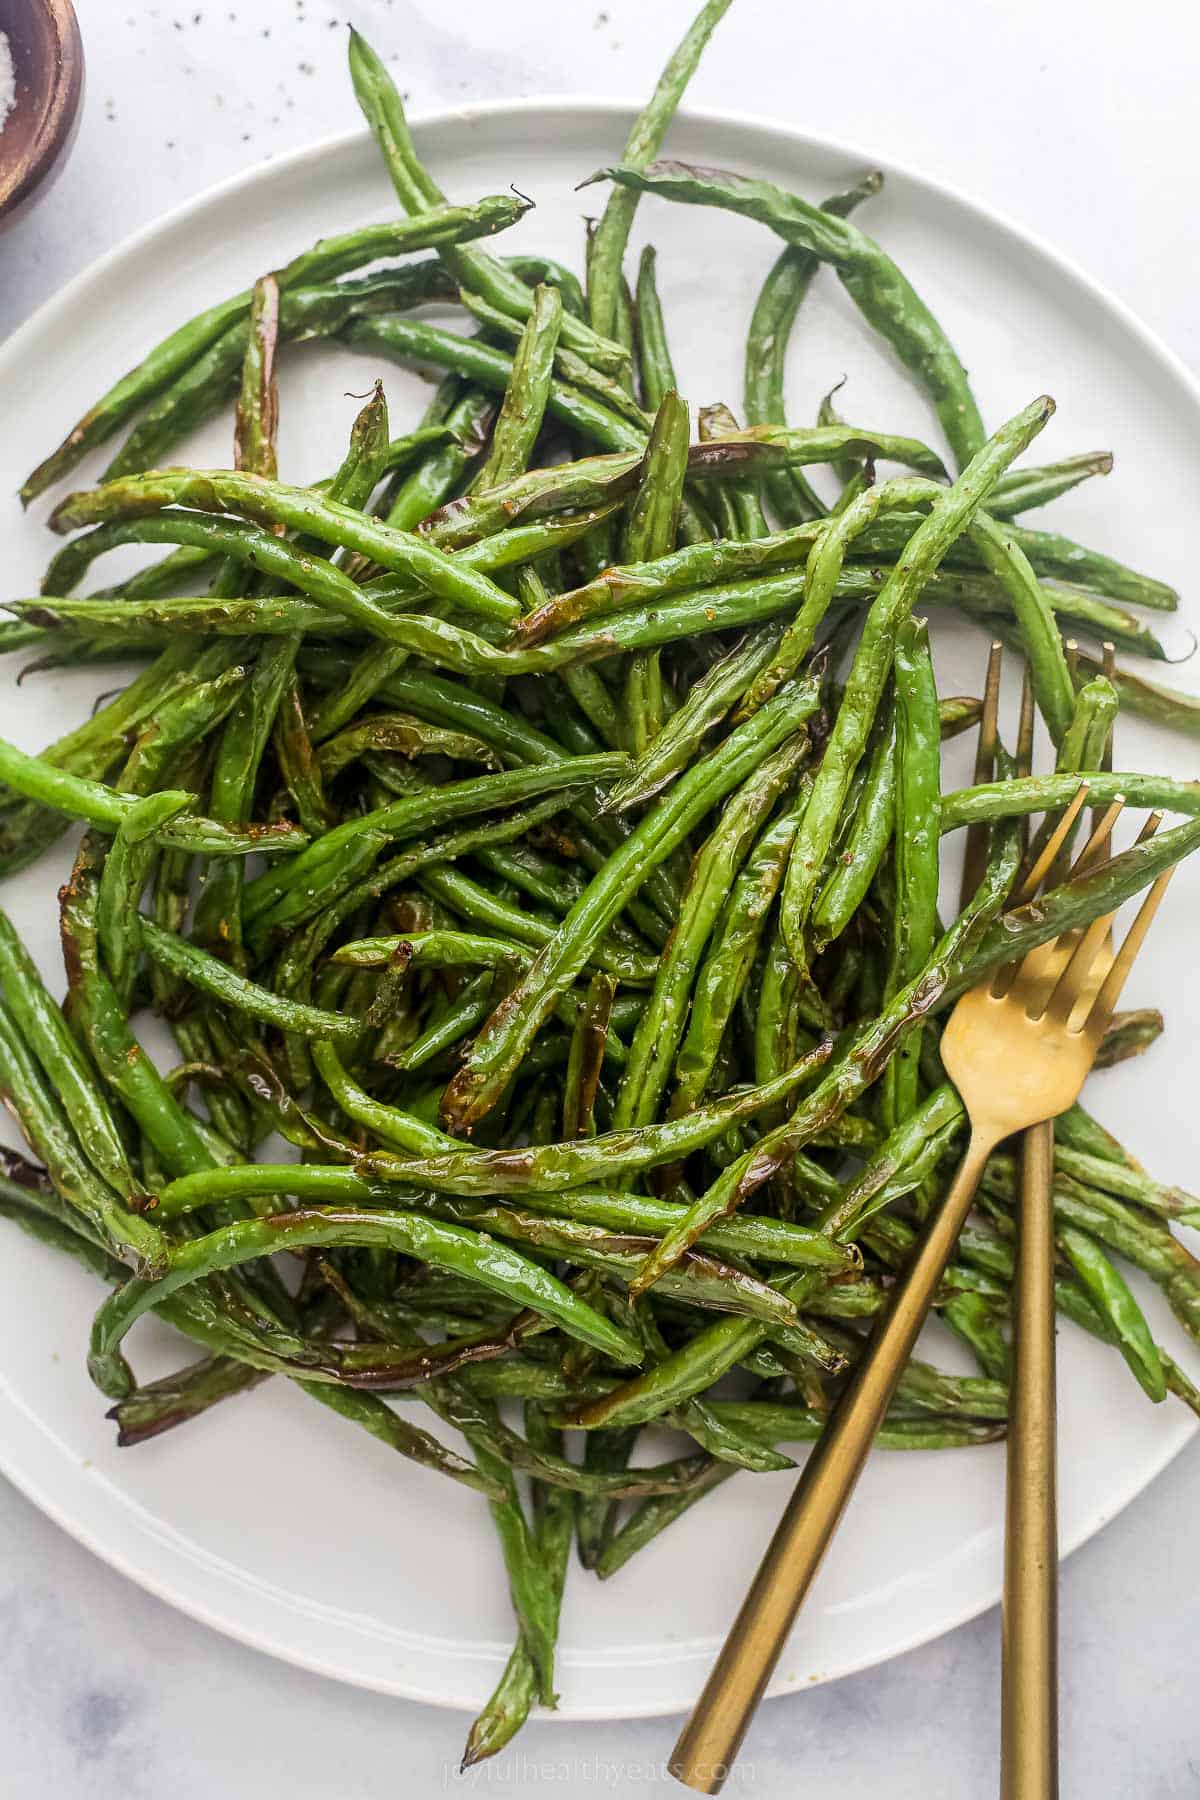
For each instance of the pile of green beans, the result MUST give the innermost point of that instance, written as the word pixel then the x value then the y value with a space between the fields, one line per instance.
pixel 535 826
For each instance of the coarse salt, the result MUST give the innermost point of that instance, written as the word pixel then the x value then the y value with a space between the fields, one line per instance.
pixel 8 80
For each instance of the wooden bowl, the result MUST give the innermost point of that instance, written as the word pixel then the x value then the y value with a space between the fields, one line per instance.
pixel 47 54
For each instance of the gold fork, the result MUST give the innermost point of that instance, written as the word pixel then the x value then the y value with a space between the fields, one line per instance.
pixel 1029 1617
pixel 1018 1049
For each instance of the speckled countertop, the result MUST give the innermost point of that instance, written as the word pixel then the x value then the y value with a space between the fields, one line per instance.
pixel 1079 121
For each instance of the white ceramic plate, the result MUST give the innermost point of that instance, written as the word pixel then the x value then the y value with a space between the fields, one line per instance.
pixel 269 1518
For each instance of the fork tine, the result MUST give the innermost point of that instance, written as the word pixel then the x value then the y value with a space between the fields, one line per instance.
pixel 1029 881
pixel 1095 850
pixel 1076 980
pixel 1114 980
pixel 975 850
pixel 1025 725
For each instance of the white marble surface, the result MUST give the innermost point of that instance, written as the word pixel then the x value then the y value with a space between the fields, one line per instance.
pixel 1077 120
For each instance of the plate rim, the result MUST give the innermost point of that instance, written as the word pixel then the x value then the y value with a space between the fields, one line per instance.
pixel 614 108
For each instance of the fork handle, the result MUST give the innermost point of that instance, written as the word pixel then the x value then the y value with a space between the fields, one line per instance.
pixel 1029 1679
pixel 712 1736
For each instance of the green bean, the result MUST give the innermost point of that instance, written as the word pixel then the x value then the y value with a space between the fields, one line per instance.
pixel 510 1031
pixel 707 702
pixel 407 340
pixel 244 740
pixel 327 258
pixel 1146 1242
pixel 654 355
pixel 171 1401
pixel 851 471
pixel 822 570
pixel 1151 700
pixel 585 1061
pixel 771 324
pixel 871 830
pixel 297 763
pixel 387 1122
pixel 645 139
pixel 726 968
pixel 520 417
pixel 692 566
pixel 95 748
pixel 859 1061
pixel 104 1217
pixel 868 274
pixel 194 1315
pixel 1018 797
pixel 1023 489
pixel 98 1015
pixel 322 581
pixel 764 447
pixel 400 734
pixel 1130 1034
pixel 284 893
pixel 596 479
pixel 304 314
pixel 1051 556
pixel 551 883
pixel 916 848
pixel 1110 1293
pixel 377 1417
pixel 42 1027
pixel 452 949
pixel 257 423
pixel 181 722
pixel 548 1168
pixel 122 881
pixel 727 1440
pixel 505 1710
pixel 383 109
pixel 743 498
pixel 272 503
pixel 242 744
pixel 591 481
pixel 295 964
pixel 467 415
pixel 568 365
pixel 211 976
pixel 531 1598
pixel 763 1239
pixel 1006 560
pixel 651 526
pixel 714 868
pixel 1100 619
pixel 534 268
pixel 1075 903
pixel 921 1133
pixel 700 1279
pixel 998 551
pixel 653 1516
pixel 864 685
pixel 494 1266
pixel 106 808
pixel 17 634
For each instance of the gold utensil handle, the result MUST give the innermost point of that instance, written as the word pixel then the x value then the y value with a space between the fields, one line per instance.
pixel 710 1740
pixel 1029 1682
